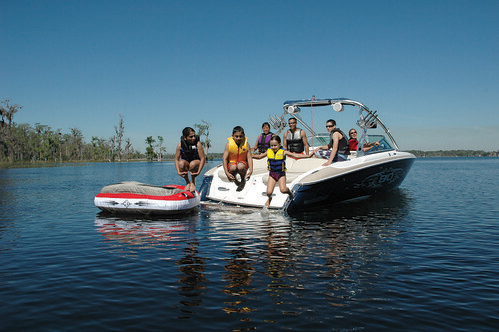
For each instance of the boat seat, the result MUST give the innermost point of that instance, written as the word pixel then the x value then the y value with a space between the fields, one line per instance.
pixel 259 167
pixel 224 178
pixel 295 168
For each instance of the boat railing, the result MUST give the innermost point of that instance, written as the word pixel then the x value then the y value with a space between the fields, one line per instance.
pixel 367 119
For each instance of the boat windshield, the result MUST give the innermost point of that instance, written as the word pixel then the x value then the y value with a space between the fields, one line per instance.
pixel 319 140
pixel 384 144
pixel 322 139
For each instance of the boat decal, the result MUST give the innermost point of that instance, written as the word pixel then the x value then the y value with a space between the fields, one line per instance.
pixel 382 178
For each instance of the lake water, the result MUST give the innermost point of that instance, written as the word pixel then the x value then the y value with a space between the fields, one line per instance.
pixel 422 258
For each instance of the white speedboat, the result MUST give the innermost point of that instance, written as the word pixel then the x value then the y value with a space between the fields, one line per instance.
pixel 364 173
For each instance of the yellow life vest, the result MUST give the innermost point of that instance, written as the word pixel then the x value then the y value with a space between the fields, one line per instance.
pixel 276 162
pixel 236 153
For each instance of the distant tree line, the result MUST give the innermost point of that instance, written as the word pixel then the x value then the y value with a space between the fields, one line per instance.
pixel 40 143
pixel 25 143
pixel 454 153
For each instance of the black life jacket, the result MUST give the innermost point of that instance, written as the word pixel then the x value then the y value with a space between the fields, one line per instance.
pixel 343 146
pixel 294 141
pixel 189 152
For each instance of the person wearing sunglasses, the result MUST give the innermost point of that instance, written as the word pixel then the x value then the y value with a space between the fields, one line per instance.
pixel 295 139
pixel 354 143
pixel 353 139
pixel 340 149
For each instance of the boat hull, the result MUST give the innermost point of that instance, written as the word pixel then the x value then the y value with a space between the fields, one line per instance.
pixel 367 181
pixel 312 184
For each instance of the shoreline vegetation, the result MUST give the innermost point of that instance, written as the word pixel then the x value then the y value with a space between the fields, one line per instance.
pixel 24 145
pixel 452 153
pixel 52 163
pixel 218 156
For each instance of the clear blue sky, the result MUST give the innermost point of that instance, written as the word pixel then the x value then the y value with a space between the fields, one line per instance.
pixel 431 68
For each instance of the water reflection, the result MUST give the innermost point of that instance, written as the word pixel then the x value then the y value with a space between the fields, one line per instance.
pixel 331 257
pixel 391 206
pixel 349 243
pixel 252 241
pixel 192 266
pixel 129 234
pixel 238 277
pixel 8 211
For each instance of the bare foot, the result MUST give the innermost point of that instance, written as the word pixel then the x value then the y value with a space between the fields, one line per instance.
pixel 267 203
pixel 241 185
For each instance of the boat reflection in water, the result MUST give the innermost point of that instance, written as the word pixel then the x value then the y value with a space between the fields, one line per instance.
pixel 332 256
pixel 243 260
pixel 128 234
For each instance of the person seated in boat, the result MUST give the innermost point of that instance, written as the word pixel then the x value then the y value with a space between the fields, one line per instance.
pixel 354 144
pixel 237 160
pixel 263 140
pixel 276 164
pixel 189 157
pixel 295 139
pixel 340 149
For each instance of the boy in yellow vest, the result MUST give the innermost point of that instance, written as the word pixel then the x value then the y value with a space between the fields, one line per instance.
pixel 237 160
